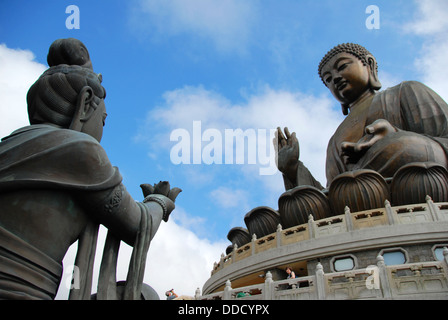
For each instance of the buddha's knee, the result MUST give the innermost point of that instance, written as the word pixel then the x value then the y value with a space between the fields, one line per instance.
pixel 413 182
pixel 297 204
pixel 398 149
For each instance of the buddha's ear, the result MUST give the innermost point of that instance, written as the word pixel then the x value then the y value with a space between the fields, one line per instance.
pixel 83 108
pixel 373 68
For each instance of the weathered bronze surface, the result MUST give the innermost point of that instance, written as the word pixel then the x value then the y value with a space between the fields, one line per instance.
pixel 359 190
pixel 406 125
pixel 262 221
pixel 297 204
pixel 57 185
pixel 413 182
pixel 239 236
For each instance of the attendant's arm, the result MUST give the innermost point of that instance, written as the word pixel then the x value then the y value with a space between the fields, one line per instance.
pixel 121 214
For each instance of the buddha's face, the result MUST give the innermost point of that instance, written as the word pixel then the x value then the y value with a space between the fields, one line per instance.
pixel 346 77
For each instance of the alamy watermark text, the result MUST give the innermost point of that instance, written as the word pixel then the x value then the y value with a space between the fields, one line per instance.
pixel 231 146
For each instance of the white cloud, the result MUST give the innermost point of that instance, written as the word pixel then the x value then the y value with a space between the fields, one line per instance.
pixel 18 72
pixel 234 203
pixel 433 66
pixel 388 80
pixel 177 258
pixel 230 198
pixel 431 23
pixel 227 23
pixel 314 119
pixel 430 17
pixel 241 187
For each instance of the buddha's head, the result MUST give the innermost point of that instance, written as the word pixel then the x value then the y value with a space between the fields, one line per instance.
pixel 349 71
pixel 68 95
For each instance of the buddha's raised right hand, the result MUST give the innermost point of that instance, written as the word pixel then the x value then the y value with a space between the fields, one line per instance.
pixel 287 153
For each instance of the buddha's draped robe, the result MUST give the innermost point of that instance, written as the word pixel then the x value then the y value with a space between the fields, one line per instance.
pixel 418 113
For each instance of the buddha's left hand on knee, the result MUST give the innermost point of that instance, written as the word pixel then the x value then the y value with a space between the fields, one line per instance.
pixel 374 132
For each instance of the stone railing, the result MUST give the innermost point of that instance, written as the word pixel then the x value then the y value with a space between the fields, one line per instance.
pixel 425 280
pixel 409 214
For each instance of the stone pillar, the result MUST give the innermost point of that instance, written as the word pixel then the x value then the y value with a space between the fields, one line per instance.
pixel 433 209
pixel 197 294
pixel 279 235
pixel 384 278
pixel 254 239
pixel 227 295
pixel 391 217
pixel 311 227
pixel 320 282
pixel 234 253
pixel 268 287
pixel 445 260
pixel 348 219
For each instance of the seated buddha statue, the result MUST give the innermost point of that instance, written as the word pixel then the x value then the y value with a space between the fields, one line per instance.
pixel 57 186
pixel 388 135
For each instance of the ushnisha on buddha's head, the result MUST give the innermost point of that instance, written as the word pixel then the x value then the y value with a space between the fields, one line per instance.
pixel 350 72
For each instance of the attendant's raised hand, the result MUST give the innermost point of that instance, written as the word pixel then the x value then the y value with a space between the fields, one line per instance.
pixel 162 194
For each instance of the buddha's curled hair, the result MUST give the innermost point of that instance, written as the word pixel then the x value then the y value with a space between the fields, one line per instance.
pixel 352 48
pixel 52 98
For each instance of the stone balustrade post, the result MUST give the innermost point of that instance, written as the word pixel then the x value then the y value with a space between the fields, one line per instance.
pixel 254 239
pixel 348 219
pixel 234 253
pixel 445 260
pixel 279 235
pixel 197 294
pixel 320 283
pixel 384 278
pixel 391 217
pixel 311 227
pixel 268 287
pixel 227 295
pixel 433 209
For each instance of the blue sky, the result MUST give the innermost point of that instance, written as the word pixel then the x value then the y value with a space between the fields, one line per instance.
pixel 230 65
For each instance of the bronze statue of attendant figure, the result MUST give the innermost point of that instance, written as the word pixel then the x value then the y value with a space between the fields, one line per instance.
pixel 406 125
pixel 57 185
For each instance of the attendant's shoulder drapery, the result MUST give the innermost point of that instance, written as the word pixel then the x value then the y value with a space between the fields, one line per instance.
pixel 43 156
